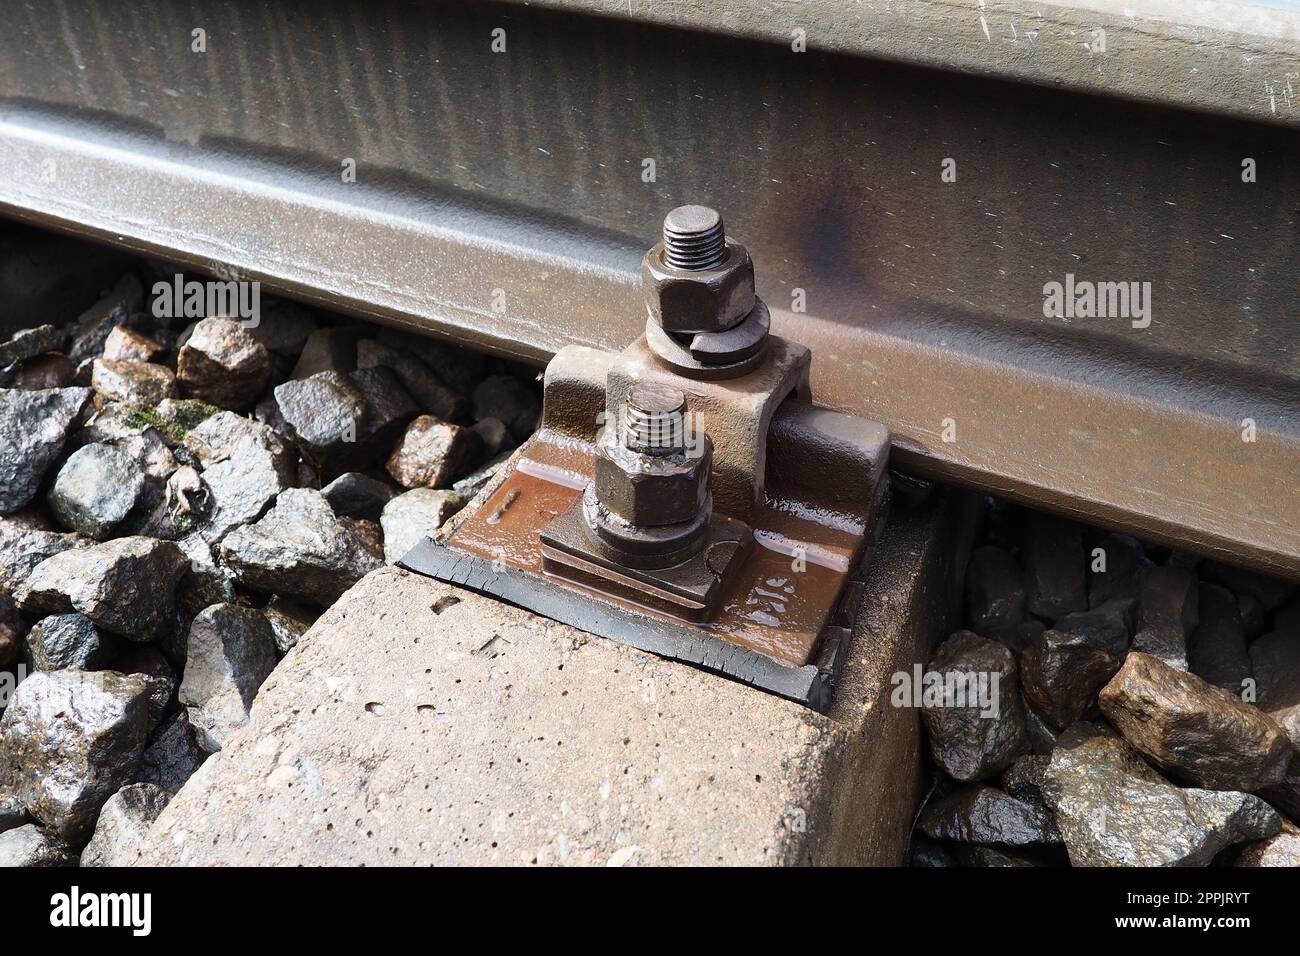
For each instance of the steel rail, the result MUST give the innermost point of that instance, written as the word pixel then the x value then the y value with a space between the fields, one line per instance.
pixel 502 200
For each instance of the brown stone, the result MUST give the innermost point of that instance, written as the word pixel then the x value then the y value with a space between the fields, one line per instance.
pixel 1061 674
pixel 432 453
pixel 1197 732
pixel 127 343
pixel 224 364
pixel 136 383
pixel 44 371
pixel 1280 850
pixel 1275 662
pixel 988 816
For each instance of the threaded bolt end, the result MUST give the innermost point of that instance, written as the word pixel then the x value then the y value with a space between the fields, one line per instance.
pixel 694 238
pixel 654 419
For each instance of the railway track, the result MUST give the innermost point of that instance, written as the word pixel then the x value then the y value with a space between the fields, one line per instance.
pixel 974 261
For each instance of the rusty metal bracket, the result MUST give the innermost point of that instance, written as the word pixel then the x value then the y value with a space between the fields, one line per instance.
pixel 742 560
pixel 804 484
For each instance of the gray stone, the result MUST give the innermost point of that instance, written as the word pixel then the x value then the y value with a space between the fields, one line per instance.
pixel 25 541
pixel 127 343
pixel 354 495
pixel 1042 738
pixel 29 343
pixel 177 508
pixel 205 583
pixel 1275 663
pixel 219 436
pixel 284 328
pixel 409 517
pixel 432 454
pixel 988 816
pixel 97 487
pixel 1123 561
pixel 123 824
pixel 1055 566
pixel 973 738
pixel 33 429
pixel 1026 778
pixel 986 856
pixel 324 413
pixel 388 408
pixel 146 661
pixel 995 595
pixel 1216 649
pixel 1254 619
pixel 267 412
pixel 510 401
pixel 459 369
pixel 431 396
pixel 113 421
pixel 929 853
pixel 231 652
pixel 476 481
pixel 173 755
pixel 252 471
pixel 13 813
pixel 1105 626
pixel 71 739
pixel 299 549
pixel 148 450
pixel 63 641
pixel 1167 613
pixel 93 326
pixel 1164 644
pixel 29 846
pixel 1061 674
pixel 327 350
pixel 1286 795
pixel 494 435
pixel 135 383
pixel 224 364
pixel 126 586
pixel 1197 732
pixel 289 621
pixel 175 418
pixel 1114 810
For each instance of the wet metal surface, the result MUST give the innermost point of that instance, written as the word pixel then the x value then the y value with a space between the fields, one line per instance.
pixel 774 595
pixel 500 199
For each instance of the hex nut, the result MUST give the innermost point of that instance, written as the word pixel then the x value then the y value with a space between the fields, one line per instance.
pixel 708 300
pixel 652 490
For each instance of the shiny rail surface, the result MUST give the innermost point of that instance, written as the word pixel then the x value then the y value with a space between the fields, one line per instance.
pixel 503 199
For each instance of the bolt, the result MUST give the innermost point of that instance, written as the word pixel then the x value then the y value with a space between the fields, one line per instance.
pixel 694 238
pixel 654 420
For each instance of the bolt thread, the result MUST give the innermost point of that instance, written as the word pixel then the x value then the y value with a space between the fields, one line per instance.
pixel 654 420
pixel 694 238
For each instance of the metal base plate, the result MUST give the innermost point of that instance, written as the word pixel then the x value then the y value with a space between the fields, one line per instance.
pixel 689 590
pixel 809 685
